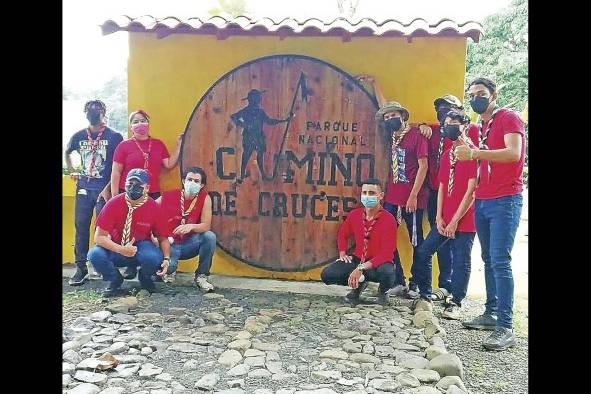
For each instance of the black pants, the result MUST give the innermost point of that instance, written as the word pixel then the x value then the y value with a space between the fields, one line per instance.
pixel 338 273
pixel 86 203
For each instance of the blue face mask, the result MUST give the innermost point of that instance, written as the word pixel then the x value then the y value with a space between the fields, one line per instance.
pixel 451 131
pixel 192 188
pixel 369 201
pixel 479 104
pixel 393 124
pixel 134 191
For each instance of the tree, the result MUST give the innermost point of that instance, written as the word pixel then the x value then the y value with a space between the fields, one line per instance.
pixel 232 7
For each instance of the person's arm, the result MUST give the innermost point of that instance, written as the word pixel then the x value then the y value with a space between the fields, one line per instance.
pixel 173 159
pixel 165 247
pixel 105 193
pixel 272 121
pixel 342 235
pixel 237 118
pixel 101 238
pixel 467 201
pixel 387 249
pixel 411 204
pixel 202 227
pixel 375 86
pixel 439 217
pixel 511 153
pixel 115 177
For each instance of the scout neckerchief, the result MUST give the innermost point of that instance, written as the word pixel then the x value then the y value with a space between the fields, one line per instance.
pixel 130 208
pixel 367 232
pixel 440 149
pixel 395 143
pixel 185 214
pixel 452 166
pixel 93 147
pixel 145 154
pixel 482 139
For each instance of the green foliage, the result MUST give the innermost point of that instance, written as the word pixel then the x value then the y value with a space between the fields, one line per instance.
pixel 232 7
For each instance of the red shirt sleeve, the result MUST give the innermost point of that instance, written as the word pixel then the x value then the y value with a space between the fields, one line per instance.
pixel 120 153
pixel 344 233
pixel 387 243
pixel 165 153
pixel 422 146
pixel 472 168
pixel 512 123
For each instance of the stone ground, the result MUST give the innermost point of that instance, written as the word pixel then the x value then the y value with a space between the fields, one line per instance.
pixel 255 341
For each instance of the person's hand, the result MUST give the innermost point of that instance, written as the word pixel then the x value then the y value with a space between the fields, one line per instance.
pixel 164 267
pixel 440 225
pixel 182 229
pixel 365 78
pixel 128 250
pixel 411 203
pixel 464 152
pixel 344 257
pixel 426 130
pixel 354 279
pixel 105 194
pixel 74 176
pixel 450 229
pixel 155 240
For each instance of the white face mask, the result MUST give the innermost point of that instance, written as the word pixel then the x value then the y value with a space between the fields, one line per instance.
pixel 192 188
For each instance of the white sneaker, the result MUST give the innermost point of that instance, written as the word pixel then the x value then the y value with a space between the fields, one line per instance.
pixel 203 284
pixel 452 312
pixel 396 291
pixel 169 278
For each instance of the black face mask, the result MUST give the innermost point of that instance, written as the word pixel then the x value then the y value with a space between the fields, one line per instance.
pixel 134 191
pixel 393 124
pixel 451 131
pixel 479 104
pixel 442 114
pixel 94 117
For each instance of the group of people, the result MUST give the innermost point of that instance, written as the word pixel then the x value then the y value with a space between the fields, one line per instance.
pixel 468 178
pixel 136 224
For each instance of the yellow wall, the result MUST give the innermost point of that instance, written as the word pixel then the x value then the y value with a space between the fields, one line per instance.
pixel 167 77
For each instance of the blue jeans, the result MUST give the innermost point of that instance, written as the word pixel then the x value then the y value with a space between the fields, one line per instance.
pixel 85 205
pixel 496 225
pixel 197 243
pixel 444 251
pixel 408 219
pixel 149 257
pixel 461 249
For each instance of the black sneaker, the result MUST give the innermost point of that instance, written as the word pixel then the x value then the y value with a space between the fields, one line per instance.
pixel 482 322
pixel 146 282
pixel 130 272
pixel 383 299
pixel 79 277
pixel 353 295
pixel 114 286
pixel 500 339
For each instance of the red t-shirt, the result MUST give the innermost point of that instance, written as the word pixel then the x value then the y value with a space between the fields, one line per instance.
pixel 170 204
pixel 433 171
pixel 146 219
pixel 412 147
pixel 464 170
pixel 382 239
pixel 128 154
pixel 505 179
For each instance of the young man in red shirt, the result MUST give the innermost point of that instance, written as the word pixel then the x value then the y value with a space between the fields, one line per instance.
pixel 123 235
pixel 406 194
pixel 500 156
pixel 454 218
pixel 188 215
pixel 371 227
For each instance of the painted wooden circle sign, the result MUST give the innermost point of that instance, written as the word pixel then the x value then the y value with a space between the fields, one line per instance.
pixel 286 142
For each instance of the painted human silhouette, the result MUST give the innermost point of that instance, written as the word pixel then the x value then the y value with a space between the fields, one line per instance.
pixel 251 118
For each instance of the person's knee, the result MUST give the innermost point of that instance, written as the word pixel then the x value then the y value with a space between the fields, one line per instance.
pixel 209 238
pixel 327 275
pixel 150 255
pixel 97 254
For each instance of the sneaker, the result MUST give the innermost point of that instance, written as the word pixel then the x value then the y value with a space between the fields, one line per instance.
pixel 79 277
pixel 413 293
pixel 397 291
pixel 500 339
pixel 451 311
pixel 146 282
pixel 482 322
pixel 203 284
pixel 383 299
pixel 114 285
pixel 440 294
pixel 169 278
pixel 130 272
pixel 354 294
pixel 92 274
